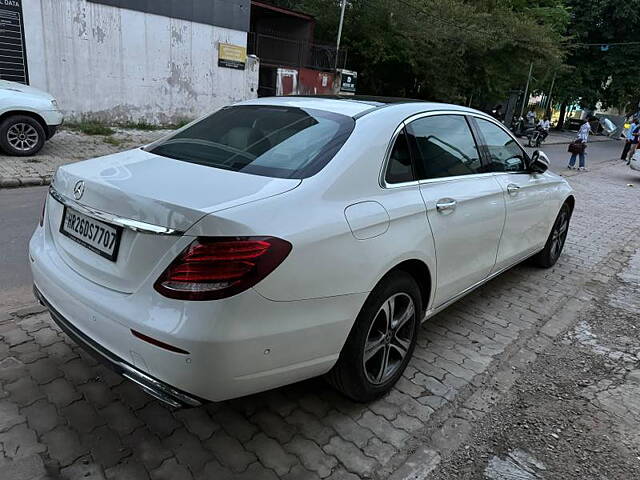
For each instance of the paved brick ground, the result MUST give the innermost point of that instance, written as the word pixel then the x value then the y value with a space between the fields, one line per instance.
pixel 64 416
pixel 66 147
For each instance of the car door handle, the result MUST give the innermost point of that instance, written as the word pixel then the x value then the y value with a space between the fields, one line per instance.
pixel 512 188
pixel 446 204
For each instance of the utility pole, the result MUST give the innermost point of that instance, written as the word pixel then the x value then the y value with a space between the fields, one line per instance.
pixel 344 4
pixel 553 82
pixel 526 91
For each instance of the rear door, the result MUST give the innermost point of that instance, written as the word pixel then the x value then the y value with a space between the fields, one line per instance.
pixel 465 205
pixel 525 194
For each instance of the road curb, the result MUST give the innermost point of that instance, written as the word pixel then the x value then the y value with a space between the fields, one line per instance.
pixel 17 182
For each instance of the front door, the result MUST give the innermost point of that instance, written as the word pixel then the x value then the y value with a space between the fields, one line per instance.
pixel 465 206
pixel 527 223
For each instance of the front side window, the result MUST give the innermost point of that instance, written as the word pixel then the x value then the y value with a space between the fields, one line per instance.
pixel 399 168
pixel 273 141
pixel 445 147
pixel 505 155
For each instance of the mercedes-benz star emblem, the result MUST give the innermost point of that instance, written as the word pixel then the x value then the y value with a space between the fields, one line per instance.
pixel 78 190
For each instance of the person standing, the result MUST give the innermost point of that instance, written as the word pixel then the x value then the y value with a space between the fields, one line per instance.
pixel 631 139
pixel 582 139
pixel 531 117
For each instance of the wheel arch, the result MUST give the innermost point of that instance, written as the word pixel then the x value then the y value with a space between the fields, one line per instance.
pixel 571 201
pixel 27 113
pixel 420 272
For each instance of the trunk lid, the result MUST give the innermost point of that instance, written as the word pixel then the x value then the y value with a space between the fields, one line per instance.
pixel 138 185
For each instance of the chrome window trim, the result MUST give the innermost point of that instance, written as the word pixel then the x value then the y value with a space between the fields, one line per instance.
pixel 129 224
pixel 416 116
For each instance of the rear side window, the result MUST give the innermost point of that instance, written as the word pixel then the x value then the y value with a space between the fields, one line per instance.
pixel 505 155
pixel 273 141
pixel 399 169
pixel 444 146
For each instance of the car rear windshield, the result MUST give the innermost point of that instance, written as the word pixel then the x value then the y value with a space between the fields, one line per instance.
pixel 273 141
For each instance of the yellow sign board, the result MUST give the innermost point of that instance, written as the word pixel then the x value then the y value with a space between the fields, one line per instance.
pixel 231 56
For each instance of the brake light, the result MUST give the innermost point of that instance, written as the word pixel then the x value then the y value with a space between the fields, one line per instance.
pixel 220 267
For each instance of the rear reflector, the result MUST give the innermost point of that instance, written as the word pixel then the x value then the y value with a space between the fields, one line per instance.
pixel 219 267
pixel 158 343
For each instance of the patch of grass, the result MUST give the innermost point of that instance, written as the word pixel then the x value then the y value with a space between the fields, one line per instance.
pixel 90 127
pixel 140 125
pixel 179 124
pixel 116 142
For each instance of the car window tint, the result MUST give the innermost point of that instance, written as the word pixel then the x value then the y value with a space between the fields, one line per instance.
pixel 399 167
pixel 274 141
pixel 505 155
pixel 445 147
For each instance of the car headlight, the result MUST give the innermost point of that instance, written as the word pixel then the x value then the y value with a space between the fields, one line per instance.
pixel 54 102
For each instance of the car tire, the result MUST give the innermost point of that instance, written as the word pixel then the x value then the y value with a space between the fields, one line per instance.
pixel 21 136
pixel 552 250
pixel 389 350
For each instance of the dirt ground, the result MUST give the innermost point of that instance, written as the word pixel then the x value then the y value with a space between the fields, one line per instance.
pixel 575 412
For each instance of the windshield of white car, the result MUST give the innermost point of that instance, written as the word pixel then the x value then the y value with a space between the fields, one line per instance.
pixel 273 141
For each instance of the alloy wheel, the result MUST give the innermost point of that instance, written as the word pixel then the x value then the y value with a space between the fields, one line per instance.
pixel 559 234
pixel 22 136
pixel 389 338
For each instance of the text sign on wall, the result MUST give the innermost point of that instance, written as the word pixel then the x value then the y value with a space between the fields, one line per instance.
pixel 231 56
pixel 13 55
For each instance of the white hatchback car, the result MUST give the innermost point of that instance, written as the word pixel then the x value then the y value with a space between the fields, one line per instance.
pixel 285 238
pixel 28 118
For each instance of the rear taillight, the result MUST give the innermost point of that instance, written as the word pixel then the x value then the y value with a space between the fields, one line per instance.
pixel 214 268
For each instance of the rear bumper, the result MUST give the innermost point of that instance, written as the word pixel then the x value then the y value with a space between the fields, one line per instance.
pixel 154 387
pixel 635 162
pixel 237 346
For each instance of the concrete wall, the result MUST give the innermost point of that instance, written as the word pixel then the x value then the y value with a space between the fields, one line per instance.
pixel 116 64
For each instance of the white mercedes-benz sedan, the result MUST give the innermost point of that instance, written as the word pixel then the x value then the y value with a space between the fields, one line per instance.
pixel 285 238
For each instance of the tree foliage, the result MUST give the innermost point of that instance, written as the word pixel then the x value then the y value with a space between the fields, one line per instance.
pixel 476 51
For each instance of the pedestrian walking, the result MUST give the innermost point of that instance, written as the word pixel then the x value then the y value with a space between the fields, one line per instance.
pixel 579 146
pixel 631 139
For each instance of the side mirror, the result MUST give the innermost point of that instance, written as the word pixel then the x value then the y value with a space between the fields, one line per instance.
pixel 539 162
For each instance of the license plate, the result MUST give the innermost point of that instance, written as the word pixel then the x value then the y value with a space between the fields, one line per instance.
pixel 97 236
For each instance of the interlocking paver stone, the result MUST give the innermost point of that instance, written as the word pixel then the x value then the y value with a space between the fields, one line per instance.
pixel 383 429
pixel 271 454
pixel 44 370
pixel 350 456
pixel 159 419
pixel 230 452
pixel 147 448
pixel 82 417
pixel 198 422
pixel 129 470
pixel 106 447
pixel 9 415
pixel 83 469
pixel 120 418
pixel 63 444
pixel 61 392
pixel 171 470
pixel 275 425
pixel 348 429
pixel 20 441
pixel 312 456
pixel 24 391
pixel 310 426
pixel 188 449
pixel 383 452
pixel 42 416
pixel 25 468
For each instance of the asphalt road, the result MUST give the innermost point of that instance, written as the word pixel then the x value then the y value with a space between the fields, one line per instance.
pixel 20 211
pixel 19 214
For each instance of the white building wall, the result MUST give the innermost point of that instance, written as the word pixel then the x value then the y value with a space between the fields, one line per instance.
pixel 115 64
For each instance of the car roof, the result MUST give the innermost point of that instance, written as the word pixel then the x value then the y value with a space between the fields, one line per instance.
pixel 355 106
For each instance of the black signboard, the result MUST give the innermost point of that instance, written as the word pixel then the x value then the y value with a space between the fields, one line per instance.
pixel 13 53
pixel 348 81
